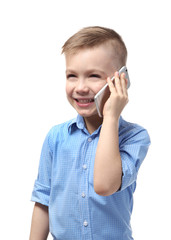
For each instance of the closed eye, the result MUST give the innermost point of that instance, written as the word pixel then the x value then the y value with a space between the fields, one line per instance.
pixel 95 76
pixel 71 76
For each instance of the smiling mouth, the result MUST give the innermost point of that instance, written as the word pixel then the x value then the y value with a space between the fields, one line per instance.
pixel 84 100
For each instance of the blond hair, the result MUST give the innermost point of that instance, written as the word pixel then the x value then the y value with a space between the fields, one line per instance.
pixel 90 37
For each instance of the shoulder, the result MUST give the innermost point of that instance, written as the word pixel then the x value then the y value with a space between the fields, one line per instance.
pixel 58 132
pixel 133 133
pixel 61 127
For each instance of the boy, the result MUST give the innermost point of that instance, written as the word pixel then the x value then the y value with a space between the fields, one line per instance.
pixel 89 165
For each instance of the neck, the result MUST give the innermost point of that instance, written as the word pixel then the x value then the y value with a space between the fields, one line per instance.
pixel 92 123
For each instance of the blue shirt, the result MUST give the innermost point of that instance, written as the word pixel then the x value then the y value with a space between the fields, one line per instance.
pixel 65 182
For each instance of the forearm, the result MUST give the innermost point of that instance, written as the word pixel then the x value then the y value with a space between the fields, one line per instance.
pixel 40 223
pixel 108 166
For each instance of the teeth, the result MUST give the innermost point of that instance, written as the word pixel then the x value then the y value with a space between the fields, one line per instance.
pixel 85 100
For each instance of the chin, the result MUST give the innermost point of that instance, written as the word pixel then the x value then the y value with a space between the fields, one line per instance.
pixel 88 115
pixel 85 114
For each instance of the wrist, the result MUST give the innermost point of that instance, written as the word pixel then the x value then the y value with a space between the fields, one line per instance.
pixel 110 120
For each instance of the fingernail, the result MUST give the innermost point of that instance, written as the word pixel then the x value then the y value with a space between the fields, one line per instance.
pixel 123 74
pixel 117 74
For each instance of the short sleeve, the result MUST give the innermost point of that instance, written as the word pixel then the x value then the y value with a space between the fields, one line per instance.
pixel 42 186
pixel 133 150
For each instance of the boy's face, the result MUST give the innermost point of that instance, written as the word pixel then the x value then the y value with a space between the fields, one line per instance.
pixel 86 74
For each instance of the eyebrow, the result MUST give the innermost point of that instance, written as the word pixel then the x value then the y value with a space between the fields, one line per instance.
pixel 88 71
pixel 70 70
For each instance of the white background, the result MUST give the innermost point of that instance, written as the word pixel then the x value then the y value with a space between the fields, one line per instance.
pixel 32 98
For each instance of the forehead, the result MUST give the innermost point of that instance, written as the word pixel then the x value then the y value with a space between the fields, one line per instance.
pixel 102 56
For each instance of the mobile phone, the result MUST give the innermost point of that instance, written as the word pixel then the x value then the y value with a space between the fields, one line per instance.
pixel 101 97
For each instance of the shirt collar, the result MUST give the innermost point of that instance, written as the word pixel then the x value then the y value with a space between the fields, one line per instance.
pixel 79 123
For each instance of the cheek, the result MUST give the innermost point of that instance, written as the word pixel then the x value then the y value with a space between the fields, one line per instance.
pixel 99 86
pixel 68 92
pixel 68 89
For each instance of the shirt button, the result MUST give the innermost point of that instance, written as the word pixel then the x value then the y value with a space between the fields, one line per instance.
pixel 85 223
pixel 89 139
pixel 84 166
pixel 83 195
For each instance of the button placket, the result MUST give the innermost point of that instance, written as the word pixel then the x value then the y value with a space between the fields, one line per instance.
pixel 86 225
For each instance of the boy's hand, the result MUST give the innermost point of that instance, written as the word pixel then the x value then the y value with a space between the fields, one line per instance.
pixel 118 97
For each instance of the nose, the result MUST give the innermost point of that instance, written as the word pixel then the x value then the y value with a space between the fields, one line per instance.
pixel 81 87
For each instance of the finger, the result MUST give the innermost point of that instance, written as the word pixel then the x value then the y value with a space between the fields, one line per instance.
pixel 118 85
pixel 124 82
pixel 111 85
